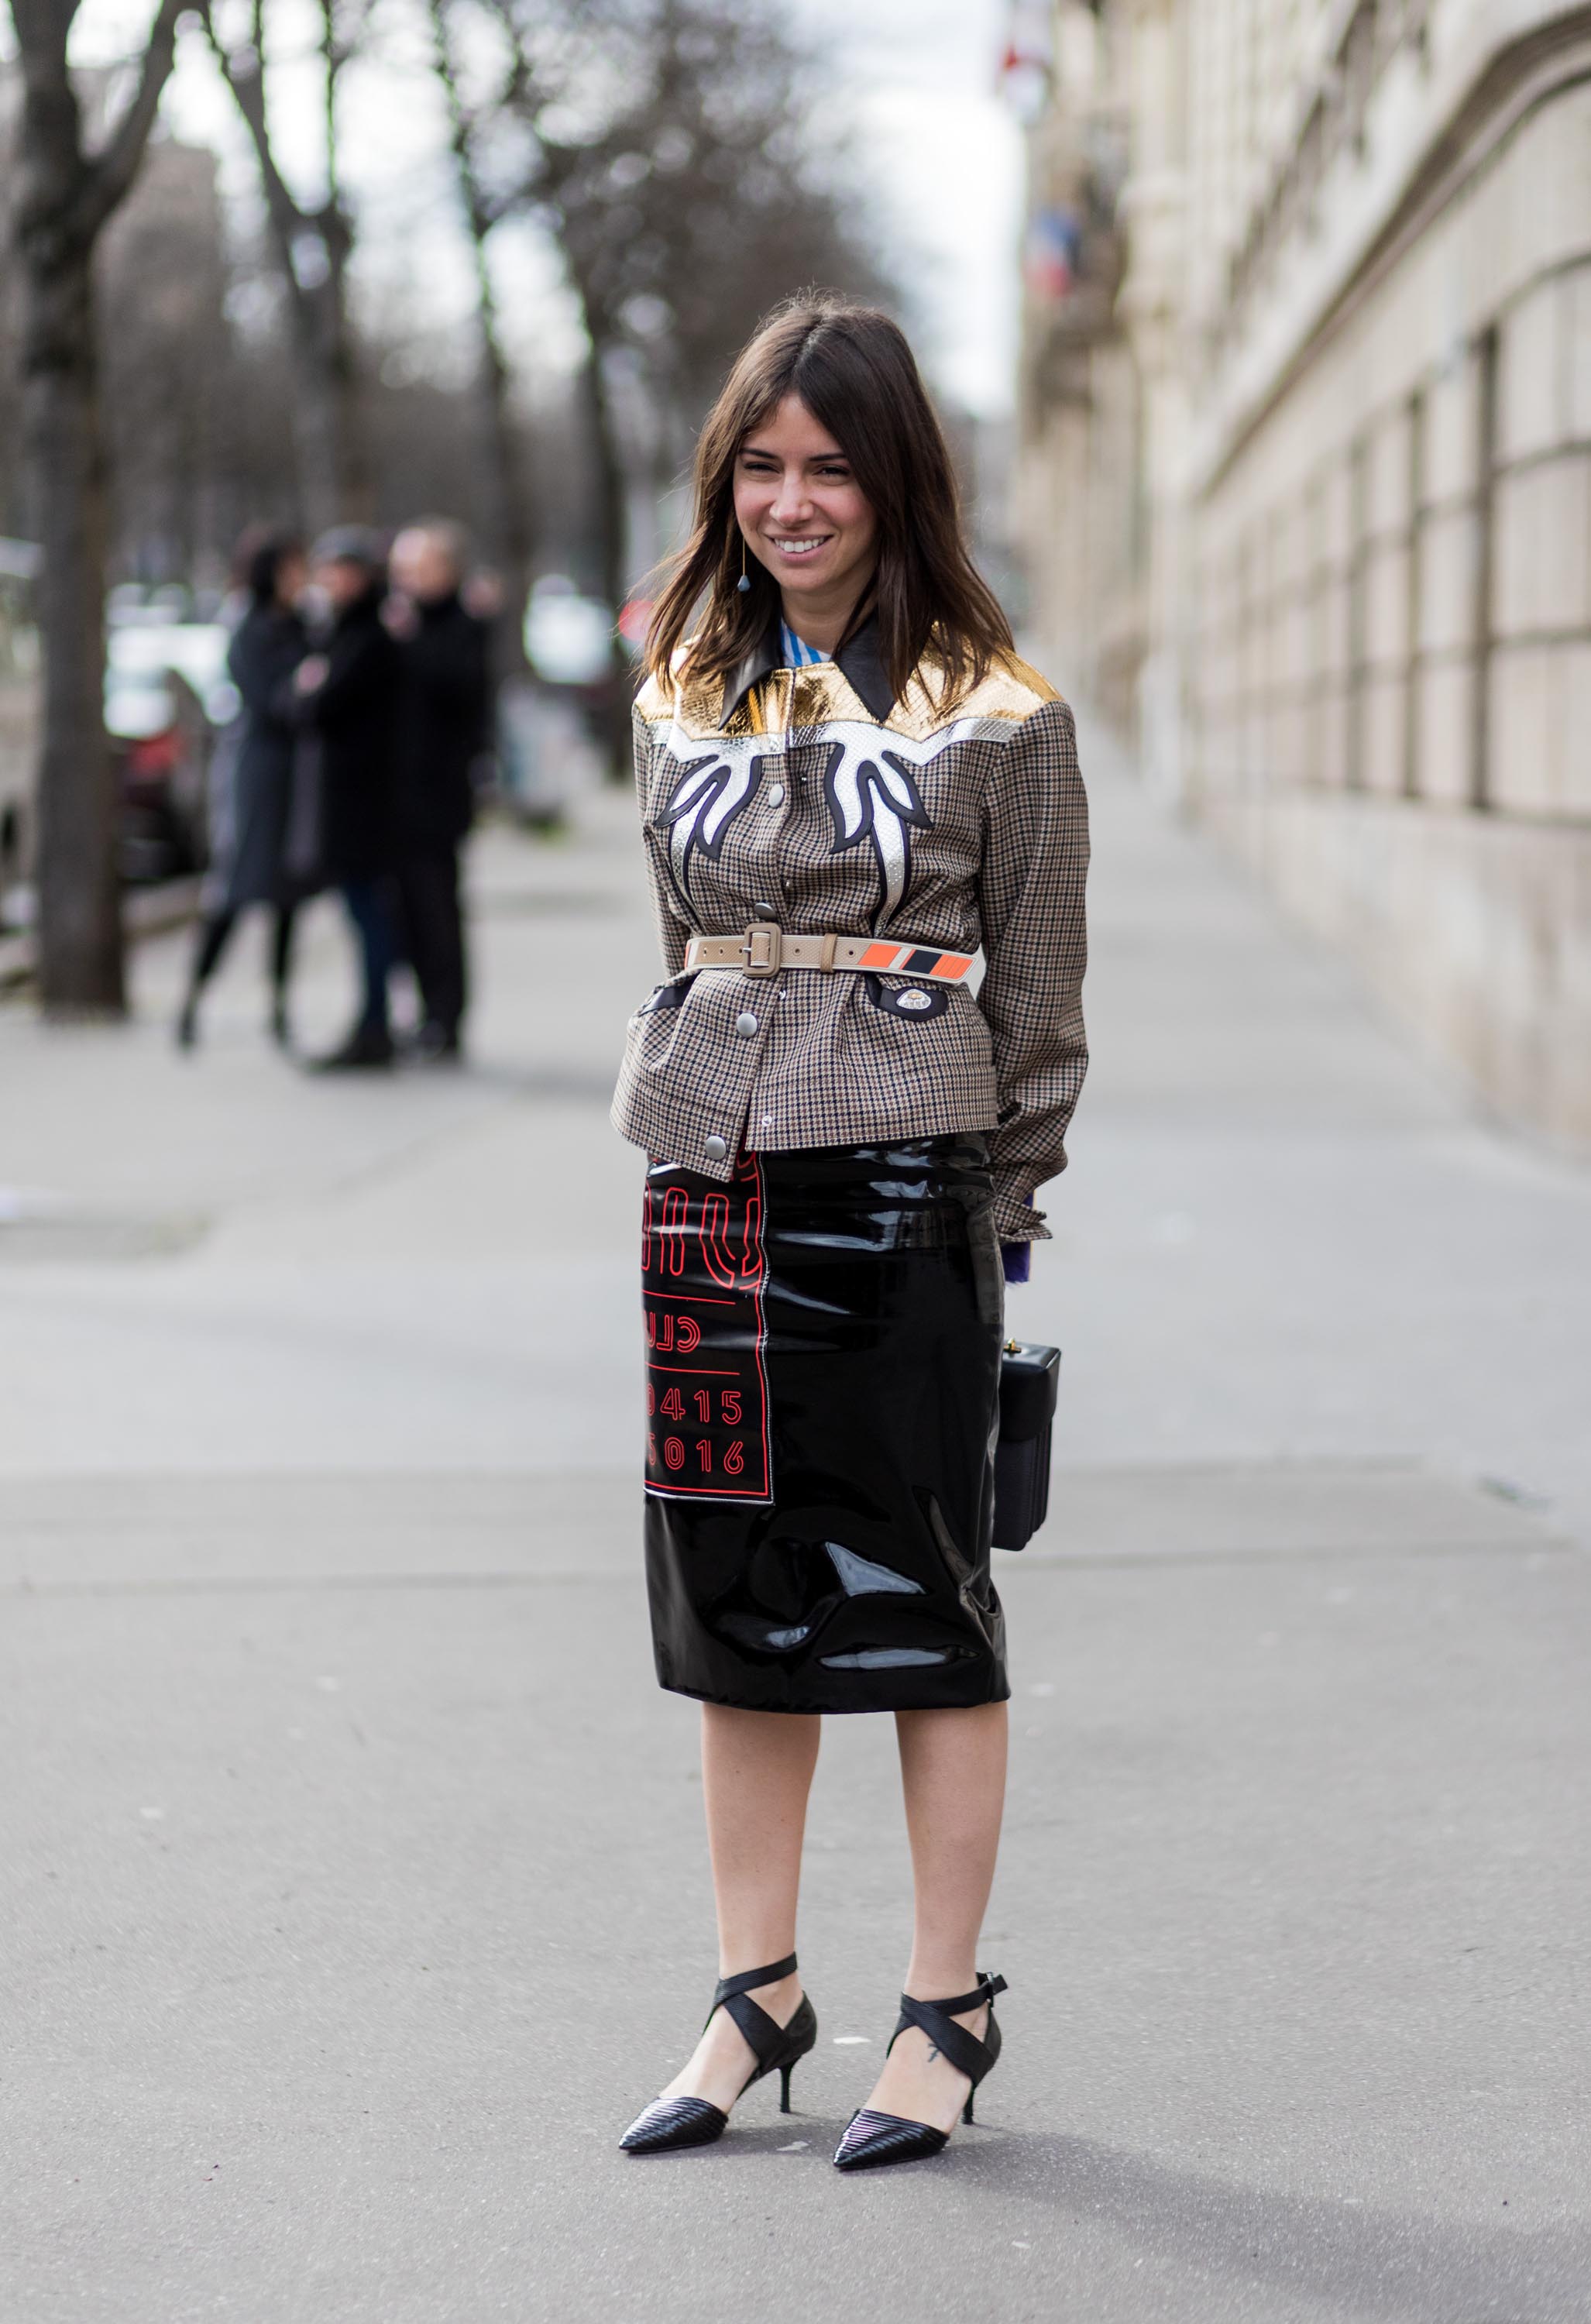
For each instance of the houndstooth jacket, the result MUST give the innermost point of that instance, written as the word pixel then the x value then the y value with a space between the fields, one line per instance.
pixel 811 798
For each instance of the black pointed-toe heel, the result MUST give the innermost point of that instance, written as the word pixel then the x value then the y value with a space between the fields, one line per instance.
pixel 872 2139
pixel 670 2124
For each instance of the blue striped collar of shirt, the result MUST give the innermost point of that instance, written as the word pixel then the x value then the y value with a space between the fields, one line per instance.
pixel 795 653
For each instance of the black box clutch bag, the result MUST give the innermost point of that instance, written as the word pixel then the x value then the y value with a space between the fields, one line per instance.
pixel 1030 1381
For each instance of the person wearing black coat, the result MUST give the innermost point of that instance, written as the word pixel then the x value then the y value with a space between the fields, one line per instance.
pixel 349 698
pixel 252 781
pixel 446 728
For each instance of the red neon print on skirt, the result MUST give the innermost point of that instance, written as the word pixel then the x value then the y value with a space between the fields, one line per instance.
pixel 703 1270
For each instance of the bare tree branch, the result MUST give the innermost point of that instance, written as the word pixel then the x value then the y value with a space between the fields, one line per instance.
pixel 114 169
pixel 246 82
pixel 667 158
pixel 313 246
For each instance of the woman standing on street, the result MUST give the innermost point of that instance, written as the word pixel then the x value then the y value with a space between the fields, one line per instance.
pixel 848 784
pixel 252 787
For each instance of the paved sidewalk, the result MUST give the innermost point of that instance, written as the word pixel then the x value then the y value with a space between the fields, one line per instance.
pixel 356 1885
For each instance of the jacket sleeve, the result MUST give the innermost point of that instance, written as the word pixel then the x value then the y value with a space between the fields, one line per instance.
pixel 365 672
pixel 451 661
pixel 1035 857
pixel 672 931
pixel 261 662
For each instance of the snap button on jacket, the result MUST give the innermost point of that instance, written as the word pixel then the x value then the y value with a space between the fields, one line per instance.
pixel 811 797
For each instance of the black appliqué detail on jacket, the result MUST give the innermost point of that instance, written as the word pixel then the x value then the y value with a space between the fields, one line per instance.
pixel 918 1002
pixel 717 784
pixel 873 795
pixel 666 996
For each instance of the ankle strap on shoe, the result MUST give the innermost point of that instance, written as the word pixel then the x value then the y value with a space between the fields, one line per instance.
pixel 748 1979
pixel 984 1991
pixel 937 2019
pixel 763 2036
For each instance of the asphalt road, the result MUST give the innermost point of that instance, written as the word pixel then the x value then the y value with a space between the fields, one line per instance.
pixel 354 1888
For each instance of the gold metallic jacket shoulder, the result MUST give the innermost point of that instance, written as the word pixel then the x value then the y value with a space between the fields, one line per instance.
pixel 1015 690
pixel 810 800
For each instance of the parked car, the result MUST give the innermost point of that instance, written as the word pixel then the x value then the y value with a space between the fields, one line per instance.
pixel 167 694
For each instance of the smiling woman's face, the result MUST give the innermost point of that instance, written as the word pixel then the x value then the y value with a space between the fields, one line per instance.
pixel 804 516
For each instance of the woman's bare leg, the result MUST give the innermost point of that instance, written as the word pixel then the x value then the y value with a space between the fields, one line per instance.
pixel 757 1770
pixel 952 1767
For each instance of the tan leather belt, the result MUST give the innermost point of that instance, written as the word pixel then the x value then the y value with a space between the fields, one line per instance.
pixel 764 950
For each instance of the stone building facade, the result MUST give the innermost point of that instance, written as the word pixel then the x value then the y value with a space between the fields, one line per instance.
pixel 1306 474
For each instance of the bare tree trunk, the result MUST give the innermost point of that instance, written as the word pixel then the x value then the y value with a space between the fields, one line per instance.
pixel 334 481
pixel 617 692
pixel 65 200
pixel 502 518
pixel 609 481
pixel 79 901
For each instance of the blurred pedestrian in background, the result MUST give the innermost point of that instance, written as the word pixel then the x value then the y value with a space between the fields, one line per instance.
pixel 349 698
pixel 444 729
pixel 251 775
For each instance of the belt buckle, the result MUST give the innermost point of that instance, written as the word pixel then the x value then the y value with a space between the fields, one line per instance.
pixel 763 949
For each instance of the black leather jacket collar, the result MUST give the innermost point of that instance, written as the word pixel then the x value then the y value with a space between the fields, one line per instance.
pixel 858 660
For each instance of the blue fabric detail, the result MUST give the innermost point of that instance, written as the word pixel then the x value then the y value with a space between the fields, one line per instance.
pixel 795 653
pixel 1017 1258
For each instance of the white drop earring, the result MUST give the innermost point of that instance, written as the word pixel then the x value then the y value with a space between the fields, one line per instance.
pixel 744 583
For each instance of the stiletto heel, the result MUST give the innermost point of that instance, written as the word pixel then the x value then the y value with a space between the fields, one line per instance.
pixel 669 2124
pixel 872 2138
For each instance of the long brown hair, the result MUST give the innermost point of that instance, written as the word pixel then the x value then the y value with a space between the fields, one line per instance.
pixel 851 368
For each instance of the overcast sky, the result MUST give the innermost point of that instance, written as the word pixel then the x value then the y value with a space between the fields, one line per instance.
pixel 914 93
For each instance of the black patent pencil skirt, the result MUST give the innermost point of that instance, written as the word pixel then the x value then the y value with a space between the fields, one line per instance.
pixel 822 1390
